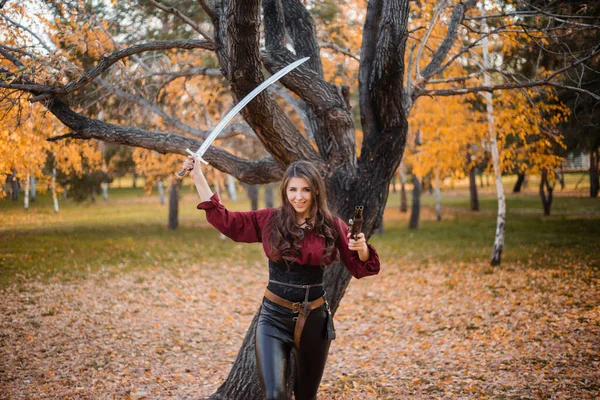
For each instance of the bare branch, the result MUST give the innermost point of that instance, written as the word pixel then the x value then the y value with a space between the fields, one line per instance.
pixel 2 3
pixel 432 23
pixel 184 18
pixel 106 62
pixel 333 46
pixel 44 45
pixel 207 9
pixel 154 108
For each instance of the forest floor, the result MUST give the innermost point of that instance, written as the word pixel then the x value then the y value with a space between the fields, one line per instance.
pixel 437 323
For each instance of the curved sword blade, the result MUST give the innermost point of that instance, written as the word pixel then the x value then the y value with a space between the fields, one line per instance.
pixel 238 107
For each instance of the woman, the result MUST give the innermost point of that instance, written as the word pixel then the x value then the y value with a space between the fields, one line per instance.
pixel 300 239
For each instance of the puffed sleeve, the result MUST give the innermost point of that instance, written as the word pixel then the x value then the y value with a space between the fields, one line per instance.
pixel 240 226
pixel 350 258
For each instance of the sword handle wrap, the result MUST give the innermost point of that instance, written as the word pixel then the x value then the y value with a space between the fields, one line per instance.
pixel 182 174
pixel 356 222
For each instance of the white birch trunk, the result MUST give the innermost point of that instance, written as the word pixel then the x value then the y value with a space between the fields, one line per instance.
pixel 26 197
pixel 54 196
pixel 161 190
pixel 501 220
pixel 438 195
pixel 231 188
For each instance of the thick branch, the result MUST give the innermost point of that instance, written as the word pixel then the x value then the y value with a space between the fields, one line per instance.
pixel 367 56
pixel 259 171
pixel 272 126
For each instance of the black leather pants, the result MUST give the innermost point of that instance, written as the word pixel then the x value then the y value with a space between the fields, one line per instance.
pixel 274 344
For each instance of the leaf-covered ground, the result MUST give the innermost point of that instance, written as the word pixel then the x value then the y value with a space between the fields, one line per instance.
pixel 421 331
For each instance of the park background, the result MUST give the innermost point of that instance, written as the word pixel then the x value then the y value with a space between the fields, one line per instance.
pixel 113 285
pixel 102 300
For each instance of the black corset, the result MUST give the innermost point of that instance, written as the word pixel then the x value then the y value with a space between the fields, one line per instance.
pixel 295 274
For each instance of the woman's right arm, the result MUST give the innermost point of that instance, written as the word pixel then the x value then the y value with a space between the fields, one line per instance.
pixel 194 166
pixel 238 226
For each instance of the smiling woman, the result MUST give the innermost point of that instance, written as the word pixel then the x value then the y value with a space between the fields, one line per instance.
pixel 301 238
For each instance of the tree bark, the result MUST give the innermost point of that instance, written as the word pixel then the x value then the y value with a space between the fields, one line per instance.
pixel 14 186
pixel 546 192
pixel 403 201
pixel 594 176
pixel 253 196
pixel 416 203
pixel 269 200
pixel 519 183
pixel 174 186
pixel 474 198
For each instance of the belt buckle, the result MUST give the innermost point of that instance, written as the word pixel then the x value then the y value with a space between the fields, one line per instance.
pixel 296 307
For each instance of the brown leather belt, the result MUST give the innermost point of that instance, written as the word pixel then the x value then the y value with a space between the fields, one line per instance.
pixel 303 309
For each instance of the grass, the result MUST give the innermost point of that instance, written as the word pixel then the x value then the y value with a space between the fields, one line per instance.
pixel 129 231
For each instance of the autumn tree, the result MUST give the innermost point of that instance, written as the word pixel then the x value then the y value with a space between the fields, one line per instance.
pixel 390 65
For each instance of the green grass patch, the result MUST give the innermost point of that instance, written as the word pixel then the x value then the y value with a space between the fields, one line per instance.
pixel 129 232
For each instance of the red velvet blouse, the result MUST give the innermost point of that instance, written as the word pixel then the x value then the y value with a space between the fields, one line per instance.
pixel 249 227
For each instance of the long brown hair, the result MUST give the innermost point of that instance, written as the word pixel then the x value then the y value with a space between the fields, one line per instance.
pixel 285 232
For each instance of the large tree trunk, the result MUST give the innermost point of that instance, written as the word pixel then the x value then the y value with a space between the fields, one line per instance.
pixel 174 186
pixel 496 258
pixel 594 176
pixel 415 209
pixel 519 183
pixel 546 192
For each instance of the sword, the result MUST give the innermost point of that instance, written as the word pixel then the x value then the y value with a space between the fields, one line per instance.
pixel 213 135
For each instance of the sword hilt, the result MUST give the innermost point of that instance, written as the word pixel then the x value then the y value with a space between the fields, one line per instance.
pixel 185 172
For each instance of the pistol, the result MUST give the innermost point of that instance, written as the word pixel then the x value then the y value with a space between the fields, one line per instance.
pixel 356 222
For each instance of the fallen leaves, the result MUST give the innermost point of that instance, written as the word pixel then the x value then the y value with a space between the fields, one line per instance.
pixel 415 331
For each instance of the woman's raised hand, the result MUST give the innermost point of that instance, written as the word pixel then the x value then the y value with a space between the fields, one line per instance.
pixel 190 164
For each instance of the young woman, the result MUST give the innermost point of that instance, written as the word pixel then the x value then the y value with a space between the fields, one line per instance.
pixel 300 239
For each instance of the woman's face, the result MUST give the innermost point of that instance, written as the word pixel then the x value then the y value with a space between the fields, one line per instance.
pixel 300 196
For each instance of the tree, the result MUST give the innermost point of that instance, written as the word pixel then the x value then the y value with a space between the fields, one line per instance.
pixel 232 32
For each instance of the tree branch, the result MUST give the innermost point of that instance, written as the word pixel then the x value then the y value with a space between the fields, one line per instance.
pixel 107 61
pixel 337 48
pixel 457 16
pixel 249 171
pixel 184 18
pixel 436 14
